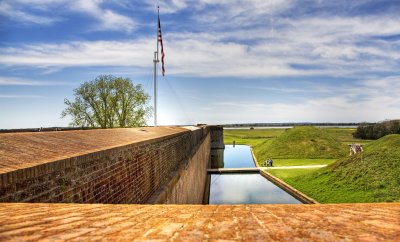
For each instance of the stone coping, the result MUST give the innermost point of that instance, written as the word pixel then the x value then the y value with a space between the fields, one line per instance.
pixel 283 185
pixel 254 157
pixel 233 170
pixel 92 222
pixel 23 150
pixel 288 188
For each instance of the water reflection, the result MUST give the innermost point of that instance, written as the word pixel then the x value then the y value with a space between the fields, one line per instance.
pixel 238 156
pixel 246 189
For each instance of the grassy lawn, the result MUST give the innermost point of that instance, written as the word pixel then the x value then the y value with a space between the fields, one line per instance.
pixel 342 134
pixel 323 192
pixel 299 146
pixel 252 133
pixel 242 136
pixel 372 176
pixel 253 137
pixel 290 173
pixel 264 146
pixel 303 143
pixel 302 162
pixel 345 136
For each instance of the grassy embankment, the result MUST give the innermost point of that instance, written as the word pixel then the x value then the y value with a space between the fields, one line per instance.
pixel 368 177
pixel 294 147
pixel 372 176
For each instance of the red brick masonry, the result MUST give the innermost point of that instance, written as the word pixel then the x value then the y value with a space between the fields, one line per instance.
pixel 117 166
pixel 83 222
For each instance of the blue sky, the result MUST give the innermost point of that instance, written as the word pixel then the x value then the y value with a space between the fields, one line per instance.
pixel 226 61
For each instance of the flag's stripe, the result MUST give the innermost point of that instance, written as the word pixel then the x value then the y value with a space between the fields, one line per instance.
pixel 162 46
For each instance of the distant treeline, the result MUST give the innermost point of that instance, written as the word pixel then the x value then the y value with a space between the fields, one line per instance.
pixel 378 130
pixel 288 124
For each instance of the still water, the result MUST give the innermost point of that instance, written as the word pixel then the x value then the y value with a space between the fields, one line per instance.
pixel 246 189
pixel 238 156
pixel 243 188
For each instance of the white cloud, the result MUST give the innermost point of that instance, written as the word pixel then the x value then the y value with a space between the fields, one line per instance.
pixel 243 13
pixel 86 53
pixel 327 45
pixel 168 6
pixel 226 8
pixel 379 101
pixel 334 109
pixel 107 19
pixel 7 10
pixel 12 81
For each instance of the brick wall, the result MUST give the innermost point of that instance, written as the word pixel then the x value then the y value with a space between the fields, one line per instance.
pixel 188 184
pixel 125 174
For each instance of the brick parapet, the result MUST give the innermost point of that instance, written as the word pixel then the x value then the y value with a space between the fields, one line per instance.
pixel 128 173
pixel 188 183
pixel 24 150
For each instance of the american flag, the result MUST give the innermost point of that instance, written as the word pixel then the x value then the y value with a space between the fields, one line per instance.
pixel 162 47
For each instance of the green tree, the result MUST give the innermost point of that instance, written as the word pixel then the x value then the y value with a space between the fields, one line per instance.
pixel 108 102
pixel 377 130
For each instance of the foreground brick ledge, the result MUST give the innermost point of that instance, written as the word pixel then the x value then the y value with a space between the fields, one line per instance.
pixel 319 222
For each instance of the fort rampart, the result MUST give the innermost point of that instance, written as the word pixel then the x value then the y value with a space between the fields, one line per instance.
pixel 152 165
pixel 129 166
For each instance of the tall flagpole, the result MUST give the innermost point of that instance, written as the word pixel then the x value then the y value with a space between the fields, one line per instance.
pixel 155 71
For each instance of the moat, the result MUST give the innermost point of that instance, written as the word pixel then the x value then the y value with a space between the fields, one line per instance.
pixel 244 188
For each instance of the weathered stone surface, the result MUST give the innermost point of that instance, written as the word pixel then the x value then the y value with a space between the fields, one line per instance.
pixel 341 222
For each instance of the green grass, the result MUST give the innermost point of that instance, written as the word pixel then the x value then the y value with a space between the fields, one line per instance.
pixel 342 134
pixel 252 133
pixel 302 143
pixel 302 162
pixel 253 137
pixel 291 173
pixel 345 135
pixel 261 139
pixel 372 176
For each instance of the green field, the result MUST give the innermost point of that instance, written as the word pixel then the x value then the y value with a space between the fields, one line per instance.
pixel 302 162
pixel 292 147
pixel 345 135
pixel 251 137
pixel 303 143
pixel 284 174
pixel 372 176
